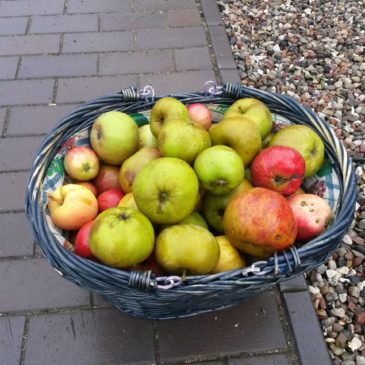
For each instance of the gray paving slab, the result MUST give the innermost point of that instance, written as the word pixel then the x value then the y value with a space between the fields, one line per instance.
pixel 96 6
pixel 197 58
pixel 139 5
pixel 3 112
pixel 8 67
pixel 12 26
pixel 31 7
pixel 13 187
pixel 183 17
pixel 272 359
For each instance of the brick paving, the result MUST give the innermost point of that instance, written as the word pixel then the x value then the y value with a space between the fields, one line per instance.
pixel 53 56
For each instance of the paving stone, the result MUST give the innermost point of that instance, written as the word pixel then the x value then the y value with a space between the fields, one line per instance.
pixel 26 148
pixel 64 23
pixel 279 359
pixel 136 62
pixel 295 284
pixel 31 7
pixel 13 187
pixel 183 18
pixel 211 12
pixel 2 118
pixel 11 333
pixel 192 59
pixel 98 42
pixel 13 25
pixel 103 336
pixel 8 67
pixel 311 347
pixel 35 119
pixel 87 88
pixel 121 21
pixel 99 300
pixel 177 82
pixel 26 92
pixel 218 362
pixel 17 239
pixel 224 332
pixel 38 287
pixel 170 38
pixel 62 65
pixel 230 76
pixel 139 5
pixel 29 44
pixel 97 6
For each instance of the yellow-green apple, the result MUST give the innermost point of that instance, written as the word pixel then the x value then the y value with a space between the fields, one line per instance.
pixel 267 140
pixel 71 206
pixel 121 237
pixel 166 190
pixel 81 163
pixel 107 178
pixel 195 218
pixel 200 114
pixel 82 241
pixel 213 206
pixel 259 222
pixel 253 109
pixel 239 133
pixel 305 141
pixel 164 110
pixel 146 138
pixel 132 165
pixel 278 168
pixel 109 199
pixel 312 214
pixel 219 169
pixel 182 139
pixel 128 201
pixel 229 258
pixel 114 137
pixel 187 247
pixel 88 185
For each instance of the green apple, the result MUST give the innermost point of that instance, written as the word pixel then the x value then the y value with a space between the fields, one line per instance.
pixel 121 237
pixel 132 165
pixel 239 133
pixel 166 190
pixel 114 137
pixel 184 140
pixel 306 142
pixel 164 110
pixel 219 169
pixel 213 206
pixel 195 218
pixel 253 109
pixel 128 201
pixel 146 138
pixel 187 247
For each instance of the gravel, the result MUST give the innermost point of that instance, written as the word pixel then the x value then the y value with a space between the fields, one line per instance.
pixel 314 51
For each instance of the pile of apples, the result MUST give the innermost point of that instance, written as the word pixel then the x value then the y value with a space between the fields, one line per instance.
pixel 183 195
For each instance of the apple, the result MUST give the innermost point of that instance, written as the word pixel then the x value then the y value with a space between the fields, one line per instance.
pixel 312 214
pixel 164 110
pixel 107 178
pixel 82 241
pixel 128 201
pixel 253 109
pixel 306 142
pixel 88 185
pixel 81 163
pixel 71 206
pixel 150 265
pixel 200 114
pixel 121 237
pixel 299 191
pixel 146 138
pixel 114 137
pixel 278 168
pixel 187 247
pixel 229 258
pixel 182 139
pixel 109 199
pixel 195 218
pixel 219 169
pixel 259 222
pixel 166 190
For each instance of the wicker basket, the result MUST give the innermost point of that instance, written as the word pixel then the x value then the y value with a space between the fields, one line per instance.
pixel 140 293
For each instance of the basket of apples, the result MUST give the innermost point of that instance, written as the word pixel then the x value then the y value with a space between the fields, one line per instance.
pixel 183 204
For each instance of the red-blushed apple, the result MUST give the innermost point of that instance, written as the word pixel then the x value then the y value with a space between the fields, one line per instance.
pixel 71 206
pixel 109 199
pixel 88 185
pixel 299 191
pixel 200 114
pixel 278 168
pixel 107 178
pixel 81 163
pixel 312 214
pixel 82 244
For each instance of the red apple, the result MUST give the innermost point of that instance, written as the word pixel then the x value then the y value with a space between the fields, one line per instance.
pixel 109 199
pixel 82 246
pixel 81 163
pixel 88 185
pixel 312 214
pixel 200 114
pixel 107 178
pixel 278 168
